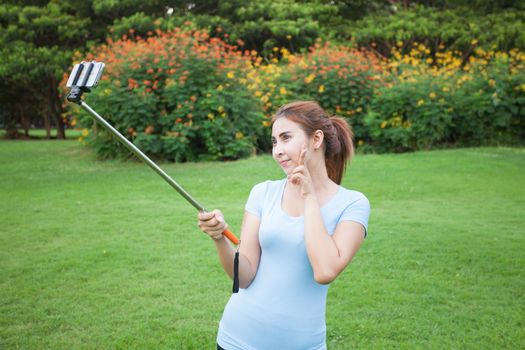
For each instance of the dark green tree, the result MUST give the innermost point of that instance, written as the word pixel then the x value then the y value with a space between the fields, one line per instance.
pixel 37 41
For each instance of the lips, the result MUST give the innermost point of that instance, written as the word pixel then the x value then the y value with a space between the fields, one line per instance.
pixel 283 162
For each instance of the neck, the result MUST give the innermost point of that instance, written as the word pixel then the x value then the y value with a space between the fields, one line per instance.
pixel 319 176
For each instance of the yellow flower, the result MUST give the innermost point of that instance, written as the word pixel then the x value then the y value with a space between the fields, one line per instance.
pixel 360 142
pixel 445 89
pixel 220 109
pixel 420 102
pixel 230 75
pixel 283 91
pixel 266 123
pixel 359 109
pixel 522 87
pixel 211 116
pixel 309 78
pixel 219 88
pixel 432 95
pixel 383 124
pixel 239 135
pixel 396 121
pixel 429 60
pixel 474 42
pixel 321 88
pixel 289 37
pixel 85 132
pixel 492 83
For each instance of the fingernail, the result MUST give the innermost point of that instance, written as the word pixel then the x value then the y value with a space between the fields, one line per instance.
pixel 220 218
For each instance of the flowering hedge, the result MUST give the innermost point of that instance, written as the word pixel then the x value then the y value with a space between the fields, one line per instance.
pixel 181 95
pixel 175 95
pixel 436 101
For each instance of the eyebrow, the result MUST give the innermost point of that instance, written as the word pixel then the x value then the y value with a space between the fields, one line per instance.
pixel 282 134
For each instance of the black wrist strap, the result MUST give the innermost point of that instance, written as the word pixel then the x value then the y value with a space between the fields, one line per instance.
pixel 235 288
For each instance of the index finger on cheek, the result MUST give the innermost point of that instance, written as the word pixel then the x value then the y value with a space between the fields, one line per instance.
pixel 301 156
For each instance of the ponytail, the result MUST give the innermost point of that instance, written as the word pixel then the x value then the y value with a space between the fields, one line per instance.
pixel 340 140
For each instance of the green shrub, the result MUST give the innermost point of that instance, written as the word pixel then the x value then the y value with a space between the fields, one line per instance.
pixel 176 95
pixel 429 104
pixel 453 28
pixel 409 116
pixel 489 103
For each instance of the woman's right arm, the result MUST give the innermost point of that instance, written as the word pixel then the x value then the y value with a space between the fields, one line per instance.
pixel 213 224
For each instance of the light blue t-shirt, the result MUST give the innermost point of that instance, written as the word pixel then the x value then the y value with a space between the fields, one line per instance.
pixel 284 308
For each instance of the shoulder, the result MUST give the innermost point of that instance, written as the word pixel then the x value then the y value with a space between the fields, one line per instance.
pixel 261 195
pixel 267 186
pixel 355 207
pixel 352 197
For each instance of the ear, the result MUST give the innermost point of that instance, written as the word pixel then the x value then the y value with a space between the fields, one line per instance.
pixel 317 139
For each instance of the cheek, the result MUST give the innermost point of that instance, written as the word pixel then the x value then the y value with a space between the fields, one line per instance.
pixel 295 148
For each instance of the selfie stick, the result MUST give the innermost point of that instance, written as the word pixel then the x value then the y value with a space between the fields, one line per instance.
pixel 85 76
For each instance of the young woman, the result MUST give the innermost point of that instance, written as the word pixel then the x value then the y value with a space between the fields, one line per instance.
pixel 297 236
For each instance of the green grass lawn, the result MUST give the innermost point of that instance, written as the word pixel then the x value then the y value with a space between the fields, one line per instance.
pixel 105 255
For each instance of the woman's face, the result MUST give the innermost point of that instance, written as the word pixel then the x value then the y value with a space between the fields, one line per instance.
pixel 288 139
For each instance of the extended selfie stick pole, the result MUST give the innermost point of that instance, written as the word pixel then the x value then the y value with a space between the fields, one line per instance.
pixel 80 83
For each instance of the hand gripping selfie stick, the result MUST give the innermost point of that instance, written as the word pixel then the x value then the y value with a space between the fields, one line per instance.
pixel 84 76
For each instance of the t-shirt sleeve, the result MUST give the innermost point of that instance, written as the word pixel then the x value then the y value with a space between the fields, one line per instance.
pixel 255 199
pixel 359 211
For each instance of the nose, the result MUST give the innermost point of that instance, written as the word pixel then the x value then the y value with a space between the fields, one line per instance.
pixel 277 150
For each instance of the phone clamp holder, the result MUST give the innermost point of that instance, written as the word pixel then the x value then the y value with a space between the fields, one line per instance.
pixel 85 75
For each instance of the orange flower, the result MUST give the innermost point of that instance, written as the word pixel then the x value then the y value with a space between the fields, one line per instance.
pixel 149 129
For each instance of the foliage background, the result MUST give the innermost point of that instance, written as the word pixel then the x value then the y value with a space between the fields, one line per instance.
pixel 41 40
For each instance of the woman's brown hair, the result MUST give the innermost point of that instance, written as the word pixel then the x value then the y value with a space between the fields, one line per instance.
pixel 338 145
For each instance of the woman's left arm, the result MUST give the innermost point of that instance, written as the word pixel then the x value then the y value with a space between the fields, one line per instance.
pixel 329 254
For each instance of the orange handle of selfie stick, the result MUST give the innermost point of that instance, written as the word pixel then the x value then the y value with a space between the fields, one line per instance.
pixel 231 237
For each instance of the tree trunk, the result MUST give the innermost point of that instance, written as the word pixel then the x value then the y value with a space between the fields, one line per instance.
pixel 61 133
pixel 47 124
pixel 24 120
pixel 56 107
